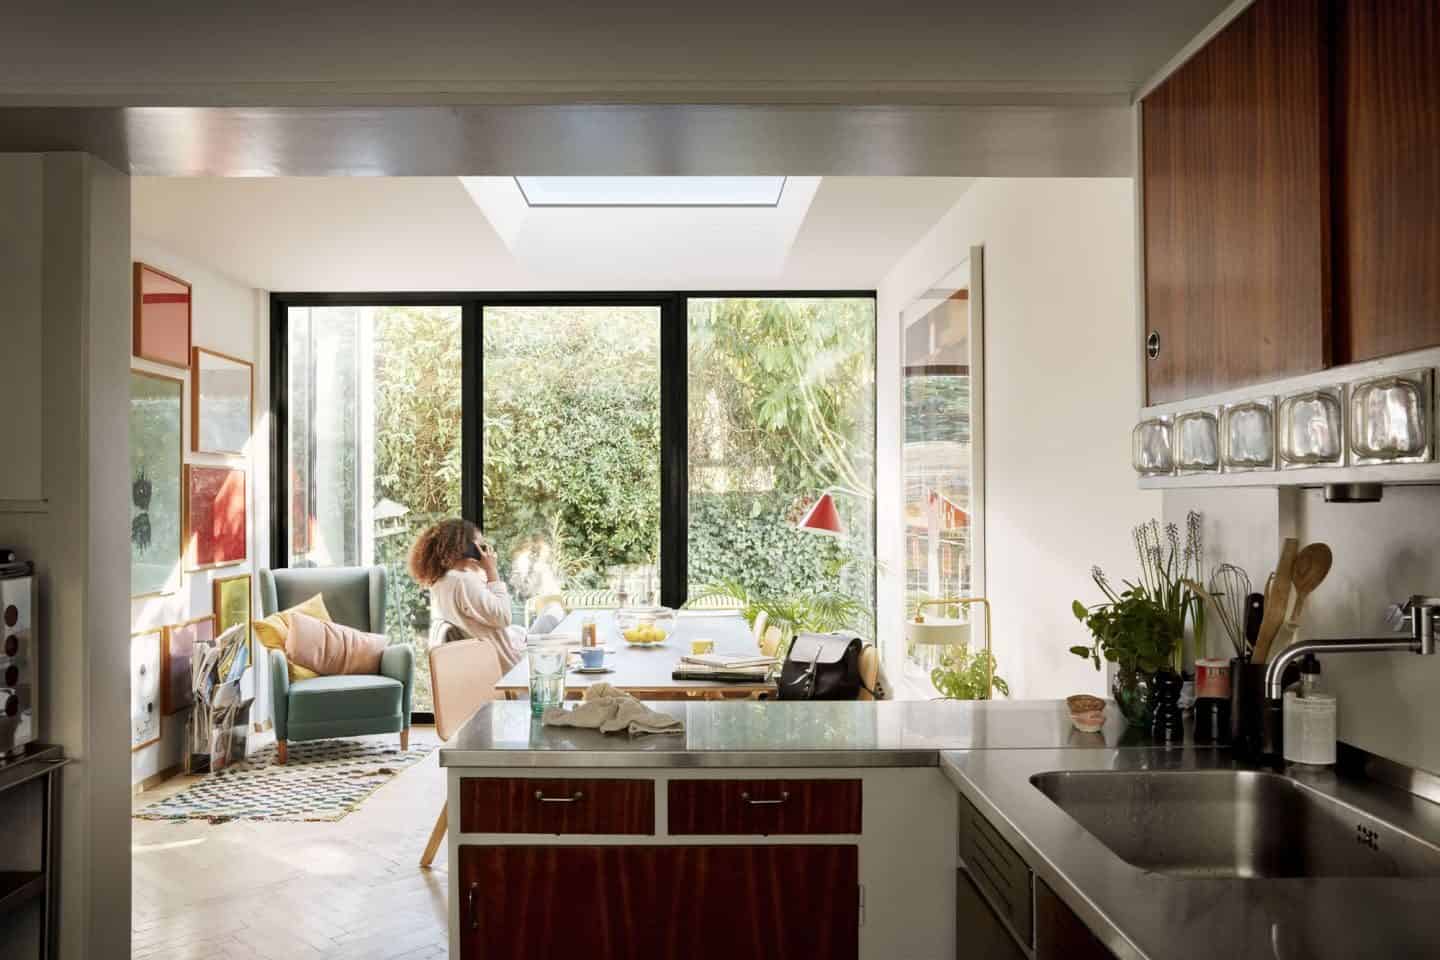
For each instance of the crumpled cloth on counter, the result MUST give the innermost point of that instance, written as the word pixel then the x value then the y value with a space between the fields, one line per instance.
pixel 611 710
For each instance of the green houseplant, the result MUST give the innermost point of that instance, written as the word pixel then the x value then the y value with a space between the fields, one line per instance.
pixel 1141 628
pixel 961 675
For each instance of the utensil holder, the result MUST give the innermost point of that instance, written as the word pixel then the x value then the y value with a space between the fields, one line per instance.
pixel 1247 707
pixel 1255 723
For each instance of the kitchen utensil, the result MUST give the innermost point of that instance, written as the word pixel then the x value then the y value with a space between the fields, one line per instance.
pixel 1312 566
pixel 1254 616
pixel 1229 587
pixel 1277 602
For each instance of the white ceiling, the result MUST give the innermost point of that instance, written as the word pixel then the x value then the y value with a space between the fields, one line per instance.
pixel 277 52
pixel 431 233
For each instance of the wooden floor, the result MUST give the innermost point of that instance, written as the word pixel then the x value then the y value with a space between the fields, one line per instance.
pixel 290 891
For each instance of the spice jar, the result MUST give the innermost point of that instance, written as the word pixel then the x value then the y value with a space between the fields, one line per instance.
pixel 589 636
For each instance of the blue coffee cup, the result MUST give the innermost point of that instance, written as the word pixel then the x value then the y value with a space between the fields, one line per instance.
pixel 592 656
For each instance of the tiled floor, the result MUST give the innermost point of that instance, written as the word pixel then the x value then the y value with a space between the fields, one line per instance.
pixel 351 890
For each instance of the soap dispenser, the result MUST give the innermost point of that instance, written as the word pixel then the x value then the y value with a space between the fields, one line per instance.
pixel 1309 718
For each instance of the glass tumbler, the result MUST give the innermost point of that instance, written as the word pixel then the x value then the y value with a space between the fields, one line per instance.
pixel 547 674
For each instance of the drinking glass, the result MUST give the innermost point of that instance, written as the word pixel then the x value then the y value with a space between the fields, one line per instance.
pixel 547 675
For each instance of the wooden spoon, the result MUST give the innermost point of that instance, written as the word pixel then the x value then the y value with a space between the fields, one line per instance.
pixel 1312 566
pixel 1277 600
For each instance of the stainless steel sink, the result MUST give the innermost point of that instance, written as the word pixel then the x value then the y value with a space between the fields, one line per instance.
pixel 1233 823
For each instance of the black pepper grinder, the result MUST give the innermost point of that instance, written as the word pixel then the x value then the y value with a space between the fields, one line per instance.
pixel 1168 725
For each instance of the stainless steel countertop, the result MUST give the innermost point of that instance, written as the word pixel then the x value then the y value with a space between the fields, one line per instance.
pixel 1141 914
pixel 779 734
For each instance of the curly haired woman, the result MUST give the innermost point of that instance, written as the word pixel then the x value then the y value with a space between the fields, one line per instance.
pixel 453 560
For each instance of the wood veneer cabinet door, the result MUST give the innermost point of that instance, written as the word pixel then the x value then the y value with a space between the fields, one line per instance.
pixel 678 902
pixel 1236 188
pixel 1387 175
pixel 1060 934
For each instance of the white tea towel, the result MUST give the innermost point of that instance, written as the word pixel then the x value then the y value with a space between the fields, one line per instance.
pixel 611 710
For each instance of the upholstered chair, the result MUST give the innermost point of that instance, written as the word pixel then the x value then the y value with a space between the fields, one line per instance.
pixel 339 706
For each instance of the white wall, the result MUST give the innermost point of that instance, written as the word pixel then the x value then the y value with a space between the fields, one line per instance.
pixel 1384 552
pixel 78 296
pixel 225 317
pixel 1061 370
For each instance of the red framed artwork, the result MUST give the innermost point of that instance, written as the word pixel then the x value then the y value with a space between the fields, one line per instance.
pixel 214 516
pixel 161 323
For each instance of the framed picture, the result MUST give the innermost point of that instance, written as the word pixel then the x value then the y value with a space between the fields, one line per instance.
pixel 156 451
pixel 177 691
pixel 232 603
pixel 214 516
pixel 144 689
pixel 220 402
pixel 161 323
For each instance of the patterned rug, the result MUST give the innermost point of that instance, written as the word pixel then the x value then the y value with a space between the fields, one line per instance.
pixel 324 780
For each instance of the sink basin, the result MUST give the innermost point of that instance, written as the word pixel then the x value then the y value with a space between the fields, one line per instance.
pixel 1233 823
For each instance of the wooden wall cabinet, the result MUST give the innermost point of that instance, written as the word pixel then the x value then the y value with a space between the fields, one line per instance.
pixel 1387 177
pixel 1235 167
pixel 678 902
pixel 1291 189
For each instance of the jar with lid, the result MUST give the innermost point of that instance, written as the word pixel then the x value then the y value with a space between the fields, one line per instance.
pixel 589 635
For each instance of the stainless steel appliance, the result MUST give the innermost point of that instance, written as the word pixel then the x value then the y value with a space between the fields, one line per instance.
pixel 19 661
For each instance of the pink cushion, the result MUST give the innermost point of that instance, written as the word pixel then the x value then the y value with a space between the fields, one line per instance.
pixel 332 648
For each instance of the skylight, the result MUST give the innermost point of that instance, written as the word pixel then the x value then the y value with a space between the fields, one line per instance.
pixel 651 191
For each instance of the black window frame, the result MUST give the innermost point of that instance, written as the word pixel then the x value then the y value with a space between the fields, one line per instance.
pixel 674 398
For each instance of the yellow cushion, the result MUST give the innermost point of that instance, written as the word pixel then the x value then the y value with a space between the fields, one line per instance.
pixel 274 630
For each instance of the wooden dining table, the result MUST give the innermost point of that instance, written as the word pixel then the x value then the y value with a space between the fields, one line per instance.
pixel 645 671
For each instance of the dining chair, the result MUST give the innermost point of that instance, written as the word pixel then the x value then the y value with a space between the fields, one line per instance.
pixel 870 687
pixel 463 674
pixel 535 605
pixel 758 627
pixel 770 642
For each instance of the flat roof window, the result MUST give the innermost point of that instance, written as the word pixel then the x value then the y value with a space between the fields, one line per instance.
pixel 651 191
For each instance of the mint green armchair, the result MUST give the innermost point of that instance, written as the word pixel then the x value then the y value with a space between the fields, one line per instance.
pixel 343 706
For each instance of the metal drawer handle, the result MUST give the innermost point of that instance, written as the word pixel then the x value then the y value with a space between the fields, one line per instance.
pixel 577 795
pixel 470 907
pixel 784 795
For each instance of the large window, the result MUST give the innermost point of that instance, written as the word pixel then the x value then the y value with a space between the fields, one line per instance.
pixel 656 446
pixel 571 448
pixel 373 423
pixel 782 413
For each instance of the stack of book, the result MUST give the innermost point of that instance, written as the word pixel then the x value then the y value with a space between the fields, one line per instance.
pixel 723 668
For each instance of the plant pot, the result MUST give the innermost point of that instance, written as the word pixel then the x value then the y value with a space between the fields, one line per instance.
pixel 1131 691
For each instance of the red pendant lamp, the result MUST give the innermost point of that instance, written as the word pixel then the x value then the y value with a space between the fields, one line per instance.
pixel 823 517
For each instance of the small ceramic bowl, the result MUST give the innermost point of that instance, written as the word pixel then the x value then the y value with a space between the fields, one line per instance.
pixel 1087 713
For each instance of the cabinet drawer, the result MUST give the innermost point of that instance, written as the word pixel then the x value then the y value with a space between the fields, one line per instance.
pixel 764 807
pixel 997 870
pixel 527 805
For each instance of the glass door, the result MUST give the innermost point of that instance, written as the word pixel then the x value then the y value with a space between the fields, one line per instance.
pixel 374 423
pixel 571 451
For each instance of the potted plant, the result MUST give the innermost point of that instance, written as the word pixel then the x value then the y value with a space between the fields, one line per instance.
pixel 1141 628
pixel 961 674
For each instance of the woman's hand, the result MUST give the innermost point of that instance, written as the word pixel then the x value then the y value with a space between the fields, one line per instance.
pixel 487 563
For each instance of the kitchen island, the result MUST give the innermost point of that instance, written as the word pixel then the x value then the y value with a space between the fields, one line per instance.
pixel 885 830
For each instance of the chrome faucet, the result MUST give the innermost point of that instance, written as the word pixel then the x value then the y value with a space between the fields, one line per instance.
pixel 1419 613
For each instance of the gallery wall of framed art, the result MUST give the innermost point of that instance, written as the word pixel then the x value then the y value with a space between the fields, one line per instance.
pixel 191 487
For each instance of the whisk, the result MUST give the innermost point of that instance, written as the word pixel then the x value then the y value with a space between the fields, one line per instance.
pixel 1229 586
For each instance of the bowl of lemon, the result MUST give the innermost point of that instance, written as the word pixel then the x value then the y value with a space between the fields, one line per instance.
pixel 645 626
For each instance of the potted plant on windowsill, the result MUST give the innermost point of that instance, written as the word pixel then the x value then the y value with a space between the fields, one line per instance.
pixel 1141 628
